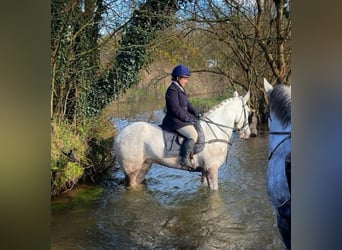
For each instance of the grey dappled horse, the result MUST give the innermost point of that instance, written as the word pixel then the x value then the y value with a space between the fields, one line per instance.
pixel 278 179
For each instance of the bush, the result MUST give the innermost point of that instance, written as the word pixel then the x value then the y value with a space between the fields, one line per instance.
pixel 68 150
pixel 79 152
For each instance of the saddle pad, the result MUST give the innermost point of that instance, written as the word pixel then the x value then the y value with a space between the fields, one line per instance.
pixel 173 142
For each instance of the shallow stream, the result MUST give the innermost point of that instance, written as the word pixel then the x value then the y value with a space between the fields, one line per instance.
pixel 173 210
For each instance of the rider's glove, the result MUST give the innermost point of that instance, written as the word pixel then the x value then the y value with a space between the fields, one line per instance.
pixel 192 120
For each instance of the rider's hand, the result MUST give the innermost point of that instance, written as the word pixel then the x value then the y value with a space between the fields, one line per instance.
pixel 192 120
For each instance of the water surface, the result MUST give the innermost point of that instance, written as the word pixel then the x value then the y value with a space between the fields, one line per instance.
pixel 172 210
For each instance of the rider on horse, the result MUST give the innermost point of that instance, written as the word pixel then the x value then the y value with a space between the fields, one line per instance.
pixel 180 114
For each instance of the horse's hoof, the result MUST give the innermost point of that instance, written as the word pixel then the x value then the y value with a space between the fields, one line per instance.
pixel 196 169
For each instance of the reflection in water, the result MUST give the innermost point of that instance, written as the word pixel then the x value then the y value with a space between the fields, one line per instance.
pixel 173 211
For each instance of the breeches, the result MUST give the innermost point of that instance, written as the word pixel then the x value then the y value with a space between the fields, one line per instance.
pixel 188 131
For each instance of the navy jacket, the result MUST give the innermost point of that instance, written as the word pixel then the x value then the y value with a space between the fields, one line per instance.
pixel 178 110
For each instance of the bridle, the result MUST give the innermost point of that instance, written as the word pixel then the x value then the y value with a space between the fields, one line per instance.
pixel 288 133
pixel 245 123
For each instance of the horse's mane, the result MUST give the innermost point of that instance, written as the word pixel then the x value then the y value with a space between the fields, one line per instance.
pixel 219 105
pixel 280 103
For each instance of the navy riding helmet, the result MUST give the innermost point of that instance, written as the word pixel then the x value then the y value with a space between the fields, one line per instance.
pixel 180 70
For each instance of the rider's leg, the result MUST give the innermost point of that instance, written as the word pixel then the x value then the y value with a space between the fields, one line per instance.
pixel 191 136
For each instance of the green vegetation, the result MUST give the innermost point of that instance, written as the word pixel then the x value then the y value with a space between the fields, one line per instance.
pixel 79 152
pixel 66 170
pixel 83 196
pixel 204 104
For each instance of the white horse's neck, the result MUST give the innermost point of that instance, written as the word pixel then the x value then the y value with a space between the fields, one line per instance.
pixel 225 114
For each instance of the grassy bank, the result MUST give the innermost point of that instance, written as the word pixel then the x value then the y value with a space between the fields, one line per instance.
pixel 79 153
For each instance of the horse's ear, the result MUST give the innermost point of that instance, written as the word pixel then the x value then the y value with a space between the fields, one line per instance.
pixel 236 94
pixel 247 96
pixel 268 87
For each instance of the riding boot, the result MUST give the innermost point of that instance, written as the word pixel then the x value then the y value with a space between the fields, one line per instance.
pixel 187 147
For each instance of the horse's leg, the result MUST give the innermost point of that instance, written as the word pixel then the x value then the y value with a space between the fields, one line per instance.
pixel 204 179
pixel 131 171
pixel 131 179
pixel 135 174
pixel 143 171
pixel 210 178
pixel 284 226
pixel 284 222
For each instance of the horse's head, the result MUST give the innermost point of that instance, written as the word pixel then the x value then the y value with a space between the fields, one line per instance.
pixel 279 106
pixel 241 121
pixel 278 179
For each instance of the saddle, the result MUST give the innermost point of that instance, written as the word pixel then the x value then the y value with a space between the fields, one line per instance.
pixel 173 141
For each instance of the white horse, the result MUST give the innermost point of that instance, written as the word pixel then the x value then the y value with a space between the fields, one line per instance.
pixel 278 179
pixel 141 143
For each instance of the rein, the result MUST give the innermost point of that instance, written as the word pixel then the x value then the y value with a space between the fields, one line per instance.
pixel 220 126
pixel 281 142
pixel 244 115
pixel 279 133
pixel 208 122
